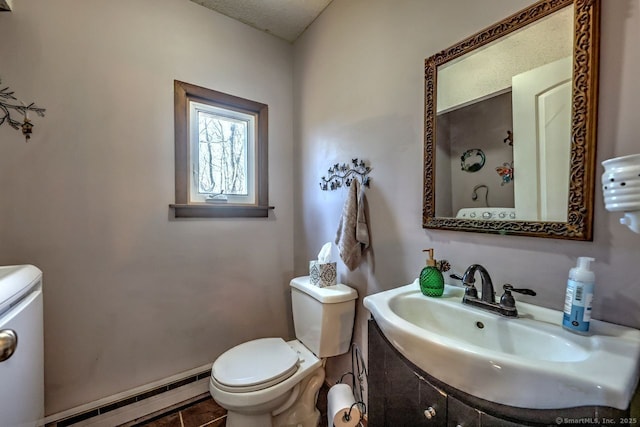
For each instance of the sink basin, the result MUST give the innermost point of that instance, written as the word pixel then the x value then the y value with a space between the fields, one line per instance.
pixel 528 362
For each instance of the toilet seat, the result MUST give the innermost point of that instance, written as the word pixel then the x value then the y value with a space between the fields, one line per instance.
pixel 255 365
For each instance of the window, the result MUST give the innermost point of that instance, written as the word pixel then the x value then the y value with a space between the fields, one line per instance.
pixel 221 144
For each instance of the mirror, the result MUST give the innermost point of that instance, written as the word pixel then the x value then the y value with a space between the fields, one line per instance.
pixel 510 125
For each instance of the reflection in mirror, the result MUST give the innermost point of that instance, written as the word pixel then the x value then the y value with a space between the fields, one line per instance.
pixel 504 149
pixel 514 71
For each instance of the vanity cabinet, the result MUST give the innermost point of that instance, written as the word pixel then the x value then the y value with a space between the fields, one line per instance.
pixel 401 394
pixel 405 399
pixel 461 414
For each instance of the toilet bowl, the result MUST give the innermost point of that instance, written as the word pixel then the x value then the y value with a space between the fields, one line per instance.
pixel 269 382
pixel 251 402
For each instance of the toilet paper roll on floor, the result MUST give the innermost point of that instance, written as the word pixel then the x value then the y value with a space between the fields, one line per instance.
pixel 340 401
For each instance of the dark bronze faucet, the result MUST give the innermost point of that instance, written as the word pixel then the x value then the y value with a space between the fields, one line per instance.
pixel 487 301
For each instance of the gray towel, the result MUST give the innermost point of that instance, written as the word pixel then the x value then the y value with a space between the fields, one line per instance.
pixel 352 237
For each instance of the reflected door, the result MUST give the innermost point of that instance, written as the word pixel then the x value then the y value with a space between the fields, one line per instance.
pixel 542 141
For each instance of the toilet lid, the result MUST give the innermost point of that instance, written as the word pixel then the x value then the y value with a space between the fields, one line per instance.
pixel 262 362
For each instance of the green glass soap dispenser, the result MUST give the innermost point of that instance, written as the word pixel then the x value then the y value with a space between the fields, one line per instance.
pixel 431 280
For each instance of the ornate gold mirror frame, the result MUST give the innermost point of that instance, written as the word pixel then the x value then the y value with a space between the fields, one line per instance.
pixel 583 124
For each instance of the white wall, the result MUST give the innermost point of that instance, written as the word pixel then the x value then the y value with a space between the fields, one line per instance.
pixel 359 92
pixel 132 296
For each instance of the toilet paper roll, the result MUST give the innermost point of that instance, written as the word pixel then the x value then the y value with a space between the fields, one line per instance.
pixel 340 401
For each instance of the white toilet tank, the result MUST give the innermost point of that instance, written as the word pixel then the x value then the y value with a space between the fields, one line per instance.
pixel 323 317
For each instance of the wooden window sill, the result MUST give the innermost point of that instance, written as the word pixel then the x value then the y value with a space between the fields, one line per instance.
pixel 220 211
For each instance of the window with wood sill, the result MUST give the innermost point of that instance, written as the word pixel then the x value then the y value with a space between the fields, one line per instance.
pixel 221 147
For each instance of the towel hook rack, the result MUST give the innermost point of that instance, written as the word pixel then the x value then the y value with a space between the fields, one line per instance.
pixel 344 174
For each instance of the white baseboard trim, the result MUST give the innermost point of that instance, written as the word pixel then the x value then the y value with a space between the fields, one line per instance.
pixel 148 406
pixel 135 403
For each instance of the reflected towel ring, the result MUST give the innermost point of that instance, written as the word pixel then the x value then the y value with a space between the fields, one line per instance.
pixel 472 160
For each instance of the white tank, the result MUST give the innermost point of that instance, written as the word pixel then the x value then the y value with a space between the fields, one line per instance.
pixel 323 317
pixel 21 346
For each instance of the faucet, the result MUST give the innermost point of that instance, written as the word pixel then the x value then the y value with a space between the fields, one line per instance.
pixel 468 281
pixel 487 301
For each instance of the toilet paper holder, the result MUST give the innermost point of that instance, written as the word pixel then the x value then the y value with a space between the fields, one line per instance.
pixel 347 415
pixel 342 409
pixel 358 374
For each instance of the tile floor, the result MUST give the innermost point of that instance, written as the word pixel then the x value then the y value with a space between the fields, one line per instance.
pixel 205 412
pixel 202 412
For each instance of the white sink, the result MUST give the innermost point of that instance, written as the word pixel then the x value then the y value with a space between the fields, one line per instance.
pixel 529 362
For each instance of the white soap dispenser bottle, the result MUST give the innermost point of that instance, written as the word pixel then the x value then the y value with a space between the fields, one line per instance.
pixel 577 303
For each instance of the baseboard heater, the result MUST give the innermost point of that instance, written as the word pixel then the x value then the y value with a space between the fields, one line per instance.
pixel 137 403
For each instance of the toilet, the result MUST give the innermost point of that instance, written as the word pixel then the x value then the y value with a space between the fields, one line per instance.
pixel 270 382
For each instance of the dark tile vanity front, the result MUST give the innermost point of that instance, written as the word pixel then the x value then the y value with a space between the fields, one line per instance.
pixel 401 394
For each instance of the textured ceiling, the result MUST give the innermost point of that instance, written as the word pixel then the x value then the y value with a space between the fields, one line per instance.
pixel 5 5
pixel 286 19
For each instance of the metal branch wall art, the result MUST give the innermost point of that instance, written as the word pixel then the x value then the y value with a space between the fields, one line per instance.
pixel 344 174
pixel 9 102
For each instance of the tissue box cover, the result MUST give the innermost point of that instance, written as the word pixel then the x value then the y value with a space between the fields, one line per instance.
pixel 323 274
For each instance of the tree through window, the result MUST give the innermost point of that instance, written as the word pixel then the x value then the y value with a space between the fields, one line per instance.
pixel 225 145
